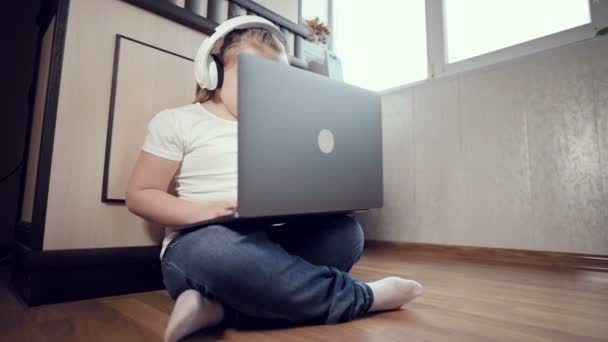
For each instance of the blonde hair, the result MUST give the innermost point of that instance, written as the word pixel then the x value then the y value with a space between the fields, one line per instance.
pixel 225 48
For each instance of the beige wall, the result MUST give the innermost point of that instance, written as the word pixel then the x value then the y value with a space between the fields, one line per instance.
pixel 512 156
pixel 76 217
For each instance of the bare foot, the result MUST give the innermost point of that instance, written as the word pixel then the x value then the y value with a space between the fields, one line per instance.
pixel 393 292
pixel 192 312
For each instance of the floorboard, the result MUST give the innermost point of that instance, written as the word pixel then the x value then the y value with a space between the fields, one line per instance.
pixel 464 300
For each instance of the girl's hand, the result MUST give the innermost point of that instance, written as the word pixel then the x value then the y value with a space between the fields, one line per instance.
pixel 212 209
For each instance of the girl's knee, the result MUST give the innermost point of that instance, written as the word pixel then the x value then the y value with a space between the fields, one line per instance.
pixel 353 238
pixel 352 232
pixel 340 242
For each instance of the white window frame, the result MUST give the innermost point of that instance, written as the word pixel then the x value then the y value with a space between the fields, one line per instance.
pixel 439 67
pixel 436 47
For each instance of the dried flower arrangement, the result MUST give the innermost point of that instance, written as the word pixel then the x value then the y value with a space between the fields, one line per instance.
pixel 320 31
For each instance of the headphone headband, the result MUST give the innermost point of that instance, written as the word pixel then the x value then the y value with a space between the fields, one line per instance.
pixel 205 68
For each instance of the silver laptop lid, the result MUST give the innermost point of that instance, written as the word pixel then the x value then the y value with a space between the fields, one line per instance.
pixel 307 144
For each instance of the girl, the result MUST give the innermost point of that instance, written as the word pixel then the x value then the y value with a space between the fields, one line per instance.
pixel 243 274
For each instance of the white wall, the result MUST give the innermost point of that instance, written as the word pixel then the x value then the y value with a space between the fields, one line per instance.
pixel 512 156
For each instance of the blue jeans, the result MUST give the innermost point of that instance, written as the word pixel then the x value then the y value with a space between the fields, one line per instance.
pixel 265 275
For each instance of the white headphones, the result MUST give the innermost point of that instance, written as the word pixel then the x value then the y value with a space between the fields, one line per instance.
pixel 208 68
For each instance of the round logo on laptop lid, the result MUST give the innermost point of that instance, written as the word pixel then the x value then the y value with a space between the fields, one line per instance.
pixel 326 141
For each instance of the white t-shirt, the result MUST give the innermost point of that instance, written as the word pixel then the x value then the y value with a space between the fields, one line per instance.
pixel 206 145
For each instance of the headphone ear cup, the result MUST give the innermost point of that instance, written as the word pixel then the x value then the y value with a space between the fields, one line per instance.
pixel 219 68
pixel 211 72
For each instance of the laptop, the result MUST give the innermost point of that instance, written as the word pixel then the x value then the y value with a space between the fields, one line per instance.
pixel 307 145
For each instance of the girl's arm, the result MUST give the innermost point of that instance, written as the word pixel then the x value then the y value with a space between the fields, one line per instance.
pixel 148 197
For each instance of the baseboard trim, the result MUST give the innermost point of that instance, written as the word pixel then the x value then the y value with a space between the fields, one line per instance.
pixel 45 277
pixel 590 262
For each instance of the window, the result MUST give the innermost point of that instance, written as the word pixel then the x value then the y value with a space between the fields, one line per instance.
pixel 386 44
pixel 315 8
pixel 475 27
pixel 381 43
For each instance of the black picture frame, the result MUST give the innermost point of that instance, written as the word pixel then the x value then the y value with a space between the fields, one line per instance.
pixel 113 93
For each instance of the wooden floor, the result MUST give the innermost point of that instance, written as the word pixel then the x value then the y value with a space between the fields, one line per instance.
pixel 464 300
